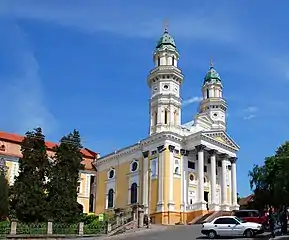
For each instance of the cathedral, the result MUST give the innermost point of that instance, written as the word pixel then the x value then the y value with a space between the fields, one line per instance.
pixel 180 171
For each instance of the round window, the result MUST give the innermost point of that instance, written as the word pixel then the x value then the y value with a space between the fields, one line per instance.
pixel 215 114
pixel 166 86
pixel 192 177
pixel 111 174
pixel 134 166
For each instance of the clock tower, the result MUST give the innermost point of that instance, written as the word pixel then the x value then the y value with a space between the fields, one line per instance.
pixel 213 106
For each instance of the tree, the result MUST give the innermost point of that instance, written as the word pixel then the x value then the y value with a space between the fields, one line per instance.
pixel 63 181
pixel 29 189
pixel 270 182
pixel 4 198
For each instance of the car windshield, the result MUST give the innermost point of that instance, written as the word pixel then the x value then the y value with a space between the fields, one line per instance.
pixel 240 220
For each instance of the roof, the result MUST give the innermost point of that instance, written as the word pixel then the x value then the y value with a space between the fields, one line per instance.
pixel 212 76
pixel 15 138
pixel 166 40
pixel 246 200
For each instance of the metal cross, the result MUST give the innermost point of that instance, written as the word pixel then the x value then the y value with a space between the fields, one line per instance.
pixel 211 63
pixel 166 26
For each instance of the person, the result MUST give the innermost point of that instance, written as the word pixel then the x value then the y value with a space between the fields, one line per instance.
pixel 272 222
pixel 283 220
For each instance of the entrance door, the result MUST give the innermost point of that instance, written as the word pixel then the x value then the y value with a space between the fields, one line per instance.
pixel 206 198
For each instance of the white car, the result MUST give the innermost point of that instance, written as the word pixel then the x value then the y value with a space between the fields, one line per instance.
pixel 231 226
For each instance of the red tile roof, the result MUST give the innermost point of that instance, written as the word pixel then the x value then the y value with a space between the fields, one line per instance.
pixel 246 200
pixel 15 138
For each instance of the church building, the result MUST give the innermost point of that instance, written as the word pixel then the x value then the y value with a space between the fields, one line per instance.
pixel 180 171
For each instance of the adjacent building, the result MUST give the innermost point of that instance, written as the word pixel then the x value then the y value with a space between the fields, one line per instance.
pixel 180 171
pixel 10 146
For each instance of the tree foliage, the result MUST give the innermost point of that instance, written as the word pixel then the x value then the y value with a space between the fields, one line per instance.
pixel 29 192
pixel 270 182
pixel 4 197
pixel 63 179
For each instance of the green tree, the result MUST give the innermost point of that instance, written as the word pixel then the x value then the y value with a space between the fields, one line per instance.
pixel 29 192
pixel 270 182
pixel 4 197
pixel 63 181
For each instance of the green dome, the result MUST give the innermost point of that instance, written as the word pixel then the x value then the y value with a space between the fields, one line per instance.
pixel 212 76
pixel 166 40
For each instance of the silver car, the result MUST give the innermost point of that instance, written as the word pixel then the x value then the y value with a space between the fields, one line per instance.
pixel 231 226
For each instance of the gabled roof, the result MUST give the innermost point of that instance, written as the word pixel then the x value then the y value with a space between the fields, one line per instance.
pixel 15 138
pixel 222 137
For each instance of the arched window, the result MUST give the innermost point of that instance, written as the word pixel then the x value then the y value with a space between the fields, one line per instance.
pixel 166 116
pixel 173 60
pixel 159 61
pixel 208 93
pixel 110 199
pixel 155 118
pixel 133 193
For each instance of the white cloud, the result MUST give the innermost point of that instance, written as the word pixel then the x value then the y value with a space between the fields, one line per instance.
pixel 23 104
pixel 191 100
pixel 250 112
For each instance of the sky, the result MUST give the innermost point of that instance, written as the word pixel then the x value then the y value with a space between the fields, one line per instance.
pixel 83 65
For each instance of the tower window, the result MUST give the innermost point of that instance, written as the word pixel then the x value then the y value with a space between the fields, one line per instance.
pixel 173 60
pixel 155 118
pixel 166 116
pixel 208 93
pixel 159 61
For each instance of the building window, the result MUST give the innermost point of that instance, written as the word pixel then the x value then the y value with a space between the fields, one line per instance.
pixel 192 178
pixel 134 166
pixel 191 165
pixel 133 193
pixel 78 187
pixel 155 118
pixel 166 116
pixel 159 61
pixel 177 166
pixel 91 203
pixel 205 168
pixel 111 174
pixel 153 166
pixel 208 93
pixel 110 198
pixel 173 60
pixel 197 157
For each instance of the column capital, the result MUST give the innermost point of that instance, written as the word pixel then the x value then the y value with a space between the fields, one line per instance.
pixel 213 152
pixel 161 148
pixel 224 156
pixel 200 147
pixel 184 152
pixel 171 148
pixel 233 159
pixel 145 154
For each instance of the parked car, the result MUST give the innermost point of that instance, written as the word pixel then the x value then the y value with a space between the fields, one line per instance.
pixel 252 216
pixel 231 226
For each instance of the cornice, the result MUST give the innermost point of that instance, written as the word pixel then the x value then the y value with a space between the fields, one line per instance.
pixel 139 146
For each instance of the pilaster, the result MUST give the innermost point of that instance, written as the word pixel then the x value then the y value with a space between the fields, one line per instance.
pixel 145 180
pixel 160 204
pixel 171 203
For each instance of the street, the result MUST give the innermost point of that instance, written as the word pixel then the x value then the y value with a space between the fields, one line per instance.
pixel 178 232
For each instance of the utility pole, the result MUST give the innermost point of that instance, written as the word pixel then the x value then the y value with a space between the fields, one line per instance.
pixel 149 199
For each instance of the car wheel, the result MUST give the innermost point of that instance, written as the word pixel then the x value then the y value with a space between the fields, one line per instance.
pixel 212 234
pixel 248 233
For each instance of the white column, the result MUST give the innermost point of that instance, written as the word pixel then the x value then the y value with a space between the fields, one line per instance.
pixel 145 180
pixel 171 204
pixel 213 205
pixel 172 119
pixel 184 197
pixel 201 200
pixel 159 117
pixel 223 183
pixel 160 205
pixel 234 182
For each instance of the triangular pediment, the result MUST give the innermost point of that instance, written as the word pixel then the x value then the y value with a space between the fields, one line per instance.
pixel 204 119
pixel 221 137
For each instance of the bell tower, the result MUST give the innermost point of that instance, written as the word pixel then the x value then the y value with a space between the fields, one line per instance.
pixel 213 104
pixel 164 82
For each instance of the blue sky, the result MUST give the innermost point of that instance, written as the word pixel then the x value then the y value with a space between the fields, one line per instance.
pixel 83 64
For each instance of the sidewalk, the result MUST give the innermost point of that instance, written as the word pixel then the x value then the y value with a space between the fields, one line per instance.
pixel 136 232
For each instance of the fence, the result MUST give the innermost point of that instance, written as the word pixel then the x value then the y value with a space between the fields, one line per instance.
pixel 14 228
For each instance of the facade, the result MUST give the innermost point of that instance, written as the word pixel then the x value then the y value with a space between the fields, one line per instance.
pixel 10 145
pixel 178 172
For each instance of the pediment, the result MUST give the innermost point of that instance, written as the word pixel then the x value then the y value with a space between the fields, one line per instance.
pixel 221 137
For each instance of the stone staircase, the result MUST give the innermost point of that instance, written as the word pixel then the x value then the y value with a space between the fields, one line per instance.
pixel 209 217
